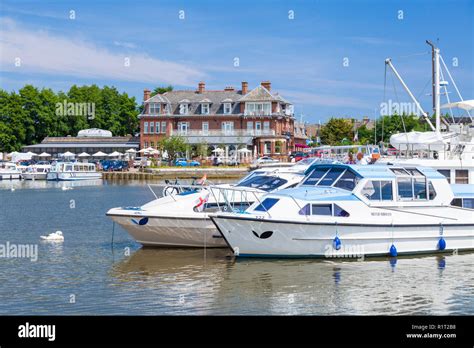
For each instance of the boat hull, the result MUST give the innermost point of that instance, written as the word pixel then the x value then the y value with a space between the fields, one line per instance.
pixel 10 176
pixel 176 232
pixel 265 238
pixel 36 176
pixel 72 176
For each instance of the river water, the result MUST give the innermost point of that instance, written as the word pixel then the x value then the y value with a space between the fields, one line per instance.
pixel 88 274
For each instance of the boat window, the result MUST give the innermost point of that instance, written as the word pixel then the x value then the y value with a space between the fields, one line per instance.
pixel 378 190
pixel 462 176
pixel 431 190
pixel 419 187
pixel 266 204
pixel 315 176
pixel 446 173
pixel 457 202
pixel 263 182
pixel 414 172
pixel 306 210
pixel 347 181
pixel 386 190
pixel 468 203
pixel 68 168
pixel 399 171
pixel 405 188
pixel 321 209
pixel 338 211
pixel 333 174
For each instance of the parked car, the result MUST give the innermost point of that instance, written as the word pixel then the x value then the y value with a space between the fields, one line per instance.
pixel 183 162
pixel 114 165
pixel 141 161
pixel 298 156
pixel 266 159
pixel 218 161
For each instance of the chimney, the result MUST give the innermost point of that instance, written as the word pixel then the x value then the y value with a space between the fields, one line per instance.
pixel 146 94
pixel 201 87
pixel 267 85
pixel 229 89
pixel 245 87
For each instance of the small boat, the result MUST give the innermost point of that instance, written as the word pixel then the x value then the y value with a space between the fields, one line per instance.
pixel 343 211
pixel 73 171
pixel 182 220
pixel 37 171
pixel 9 171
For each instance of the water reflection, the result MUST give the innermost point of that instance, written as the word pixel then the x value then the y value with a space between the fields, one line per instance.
pixel 219 285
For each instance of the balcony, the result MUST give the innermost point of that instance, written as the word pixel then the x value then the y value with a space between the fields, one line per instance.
pixel 223 133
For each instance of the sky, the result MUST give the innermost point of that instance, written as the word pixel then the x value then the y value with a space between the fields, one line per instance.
pixel 326 57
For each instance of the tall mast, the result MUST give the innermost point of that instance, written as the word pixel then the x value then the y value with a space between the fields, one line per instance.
pixel 436 87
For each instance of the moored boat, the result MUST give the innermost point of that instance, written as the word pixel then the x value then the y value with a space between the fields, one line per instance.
pixel 72 171
pixel 9 171
pixel 343 211
pixel 36 172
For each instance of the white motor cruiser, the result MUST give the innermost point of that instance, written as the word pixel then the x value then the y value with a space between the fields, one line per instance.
pixel 37 171
pixel 9 171
pixel 73 171
pixel 344 211
pixel 182 220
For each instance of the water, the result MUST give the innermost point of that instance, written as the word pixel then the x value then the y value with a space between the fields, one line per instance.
pixel 101 279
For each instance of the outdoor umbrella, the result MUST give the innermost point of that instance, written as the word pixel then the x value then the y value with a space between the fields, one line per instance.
pixel 44 154
pixel 131 151
pixel 115 154
pixel 99 154
pixel 218 150
pixel 84 154
pixel 68 154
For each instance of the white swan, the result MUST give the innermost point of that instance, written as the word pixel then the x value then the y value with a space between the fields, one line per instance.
pixel 55 236
pixel 64 188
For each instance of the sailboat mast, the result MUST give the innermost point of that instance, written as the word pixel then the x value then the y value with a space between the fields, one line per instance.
pixel 436 87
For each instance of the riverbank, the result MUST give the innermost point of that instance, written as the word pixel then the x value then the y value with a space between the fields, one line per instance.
pixel 182 173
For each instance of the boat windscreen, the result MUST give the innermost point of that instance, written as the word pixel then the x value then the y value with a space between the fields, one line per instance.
pixel 263 182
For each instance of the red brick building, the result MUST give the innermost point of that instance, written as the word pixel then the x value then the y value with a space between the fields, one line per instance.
pixel 259 120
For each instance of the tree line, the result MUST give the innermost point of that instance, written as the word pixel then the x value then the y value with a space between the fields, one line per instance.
pixel 342 131
pixel 31 114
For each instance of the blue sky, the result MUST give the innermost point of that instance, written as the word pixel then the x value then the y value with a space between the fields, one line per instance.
pixel 302 57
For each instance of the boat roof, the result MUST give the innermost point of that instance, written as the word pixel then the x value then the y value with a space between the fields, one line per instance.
pixel 463 190
pixel 378 171
pixel 321 193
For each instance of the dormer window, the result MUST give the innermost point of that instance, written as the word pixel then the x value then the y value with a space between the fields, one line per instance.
pixel 227 108
pixel 184 107
pixel 154 108
pixel 205 108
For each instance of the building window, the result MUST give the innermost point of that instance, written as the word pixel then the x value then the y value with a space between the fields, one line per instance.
pixel 266 127
pixel 154 108
pixel 157 129
pixel 152 144
pixel 145 128
pixel 205 109
pixel 183 128
pixel 462 176
pixel 258 108
pixel 152 128
pixel 163 127
pixel 258 128
pixel 146 144
pixel 250 127
pixel 205 128
pixel 227 108
pixel 183 109
pixel 267 148
pixel 228 127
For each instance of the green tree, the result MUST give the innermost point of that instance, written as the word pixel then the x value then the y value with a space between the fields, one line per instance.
pixel 173 145
pixel 161 90
pixel 335 130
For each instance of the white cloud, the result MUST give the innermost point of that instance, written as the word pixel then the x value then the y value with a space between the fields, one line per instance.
pixel 316 99
pixel 41 52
